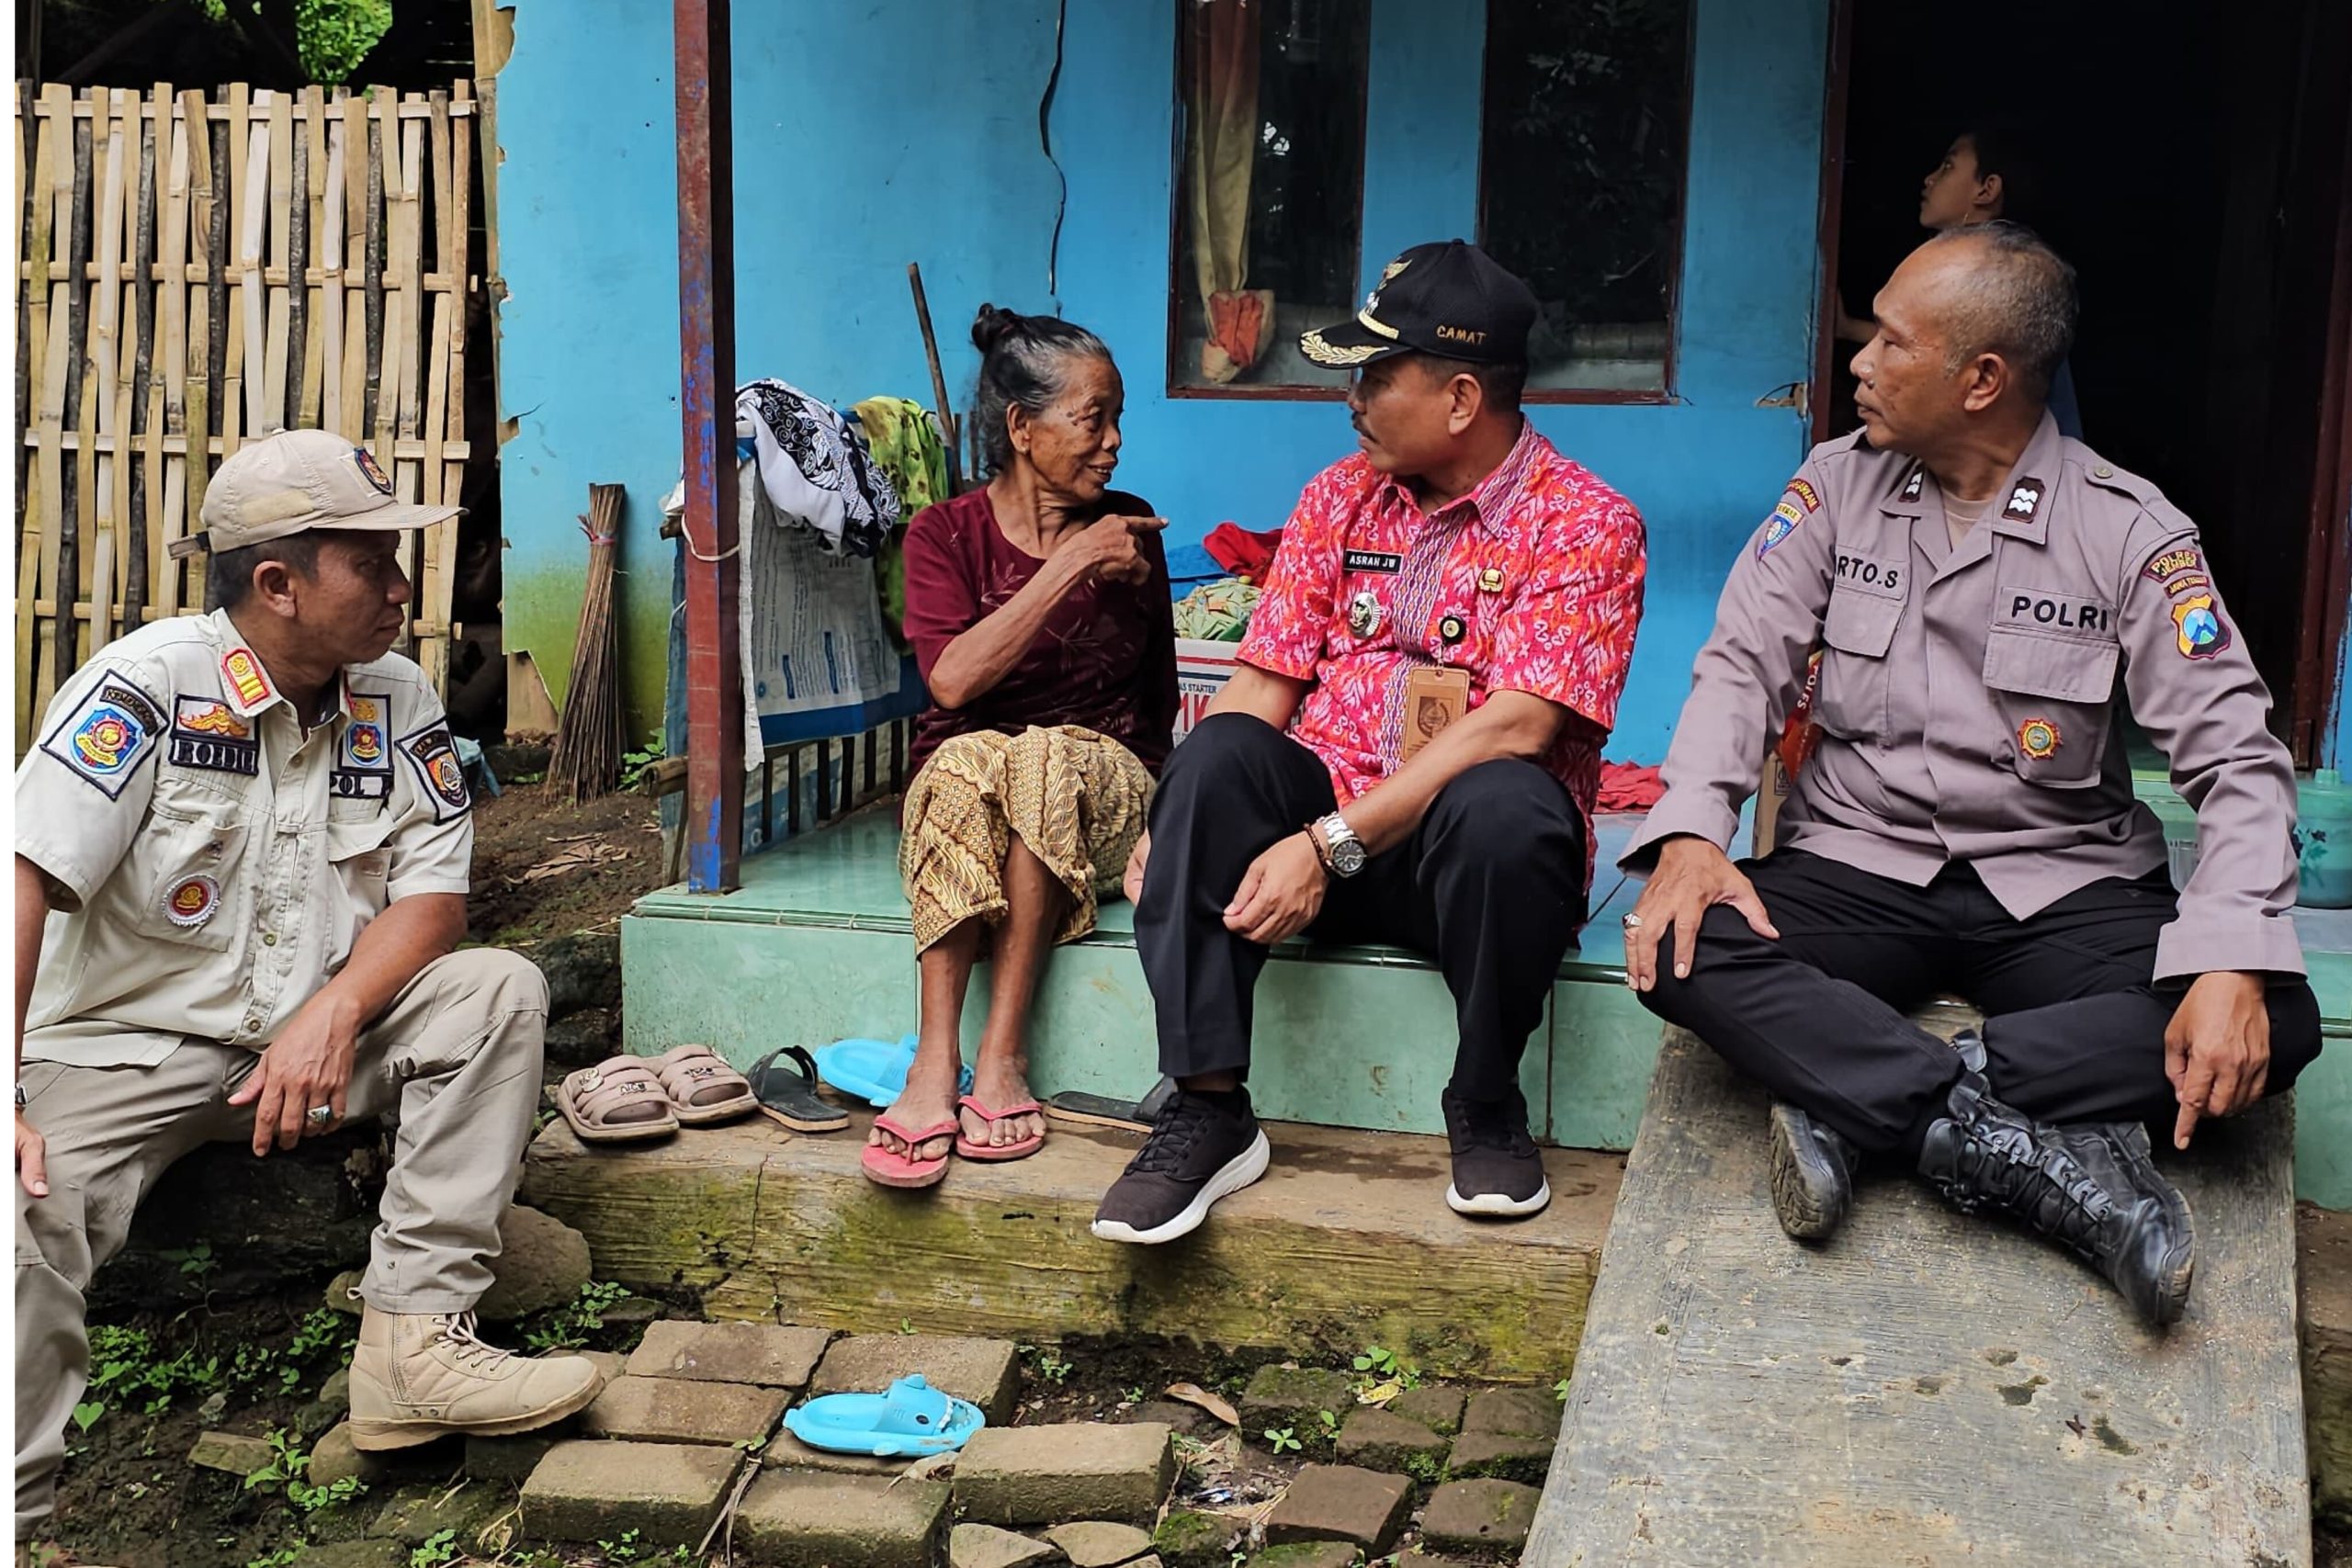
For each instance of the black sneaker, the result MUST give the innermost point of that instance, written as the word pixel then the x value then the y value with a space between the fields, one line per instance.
pixel 1813 1173
pixel 1497 1171
pixel 1198 1151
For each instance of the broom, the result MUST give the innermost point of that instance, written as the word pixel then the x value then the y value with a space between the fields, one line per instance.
pixel 588 742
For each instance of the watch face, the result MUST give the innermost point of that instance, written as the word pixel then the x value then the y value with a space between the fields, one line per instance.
pixel 1347 857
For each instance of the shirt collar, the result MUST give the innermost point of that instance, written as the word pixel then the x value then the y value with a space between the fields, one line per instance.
pixel 1494 499
pixel 2021 508
pixel 246 682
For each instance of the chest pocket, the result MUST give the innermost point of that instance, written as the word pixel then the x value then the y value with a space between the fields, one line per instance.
pixel 189 874
pixel 1852 702
pixel 2056 696
pixel 358 859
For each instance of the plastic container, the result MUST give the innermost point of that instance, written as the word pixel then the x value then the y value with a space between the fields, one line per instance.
pixel 2323 842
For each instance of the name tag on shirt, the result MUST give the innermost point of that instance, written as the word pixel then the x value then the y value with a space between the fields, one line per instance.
pixel 1435 695
pixel 1371 560
pixel 2045 610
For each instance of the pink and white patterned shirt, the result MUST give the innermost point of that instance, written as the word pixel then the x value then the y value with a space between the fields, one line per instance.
pixel 1531 582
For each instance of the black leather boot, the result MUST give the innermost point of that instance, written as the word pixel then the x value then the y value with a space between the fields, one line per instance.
pixel 1813 1174
pixel 2092 1188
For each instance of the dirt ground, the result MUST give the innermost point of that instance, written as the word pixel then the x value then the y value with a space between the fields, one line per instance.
pixel 544 867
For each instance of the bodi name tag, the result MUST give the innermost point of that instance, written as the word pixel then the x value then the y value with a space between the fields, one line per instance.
pixel 1373 560
pixel 1435 695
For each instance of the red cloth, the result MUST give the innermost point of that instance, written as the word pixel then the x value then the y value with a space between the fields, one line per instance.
pixel 1105 657
pixel 1628 786
pixel 1241 552
pixel 1540 568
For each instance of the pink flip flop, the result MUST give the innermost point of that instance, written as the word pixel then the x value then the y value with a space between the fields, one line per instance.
pixel 1020 1150
pixel 888 1168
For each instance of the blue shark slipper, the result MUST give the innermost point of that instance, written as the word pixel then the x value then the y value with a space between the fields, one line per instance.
pixel 873 1070
pixel 912 1420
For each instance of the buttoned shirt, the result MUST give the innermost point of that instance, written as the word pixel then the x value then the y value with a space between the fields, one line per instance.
pixel 1968 694
pixel 209 862
pixel 1531 582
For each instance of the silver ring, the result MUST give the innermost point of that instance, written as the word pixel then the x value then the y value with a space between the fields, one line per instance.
pixel 1631 921
pixel 320 1115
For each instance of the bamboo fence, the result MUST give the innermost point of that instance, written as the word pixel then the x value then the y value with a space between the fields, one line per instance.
pixel 197 272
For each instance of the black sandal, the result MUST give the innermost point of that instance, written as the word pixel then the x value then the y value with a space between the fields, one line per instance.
pixel 790 1097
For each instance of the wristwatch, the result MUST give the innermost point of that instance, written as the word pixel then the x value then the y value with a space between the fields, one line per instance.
pixel 1343 853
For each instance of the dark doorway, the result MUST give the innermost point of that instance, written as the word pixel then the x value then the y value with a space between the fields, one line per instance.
pixel 2191 161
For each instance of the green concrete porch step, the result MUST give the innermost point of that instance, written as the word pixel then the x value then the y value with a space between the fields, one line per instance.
pixel 816 946
pixel 1344 1243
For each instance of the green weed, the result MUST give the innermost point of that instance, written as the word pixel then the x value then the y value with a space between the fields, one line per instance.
pixel 438 1547
pixel 567 1327
pixel 1282 1439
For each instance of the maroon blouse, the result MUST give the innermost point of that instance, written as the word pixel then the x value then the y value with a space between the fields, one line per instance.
pixel 1106 657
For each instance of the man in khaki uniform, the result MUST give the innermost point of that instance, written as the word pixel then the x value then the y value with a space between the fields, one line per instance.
pixel 242 850
pixel 1981 589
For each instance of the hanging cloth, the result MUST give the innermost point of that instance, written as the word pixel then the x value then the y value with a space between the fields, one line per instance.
pixel 910 451
pixel 815 470
pixel 1221 136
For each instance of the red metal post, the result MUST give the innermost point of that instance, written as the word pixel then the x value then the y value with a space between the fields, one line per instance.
pixel 714 824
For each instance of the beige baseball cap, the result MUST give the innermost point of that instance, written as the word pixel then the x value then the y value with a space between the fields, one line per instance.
pixel 296 480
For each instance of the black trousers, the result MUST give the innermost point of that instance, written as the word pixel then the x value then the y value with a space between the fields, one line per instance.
pixel 2074 1026
pixel 1491 885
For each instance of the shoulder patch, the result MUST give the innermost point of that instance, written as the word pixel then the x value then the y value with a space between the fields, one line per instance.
pixel 435 757
pixel 107 735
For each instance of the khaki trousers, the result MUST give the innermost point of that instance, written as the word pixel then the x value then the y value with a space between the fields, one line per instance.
pixel 456 1059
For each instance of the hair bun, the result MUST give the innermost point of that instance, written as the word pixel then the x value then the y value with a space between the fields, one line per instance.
pixel 992 326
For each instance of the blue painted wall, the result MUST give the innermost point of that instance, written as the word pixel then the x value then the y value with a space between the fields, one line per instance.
pixel 907 129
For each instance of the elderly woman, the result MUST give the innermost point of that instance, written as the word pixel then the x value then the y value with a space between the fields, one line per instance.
pixel 1038 607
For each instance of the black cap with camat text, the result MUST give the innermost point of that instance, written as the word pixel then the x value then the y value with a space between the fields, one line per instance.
pixel 1448 298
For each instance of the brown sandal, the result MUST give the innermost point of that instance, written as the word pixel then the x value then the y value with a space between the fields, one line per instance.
pixel 616 1102
pixel 702 1087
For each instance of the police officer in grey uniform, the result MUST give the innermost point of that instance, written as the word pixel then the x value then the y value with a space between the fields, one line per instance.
pixel 1981 588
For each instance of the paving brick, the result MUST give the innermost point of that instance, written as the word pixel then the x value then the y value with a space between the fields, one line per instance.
pixel 985 1371
pixel 355 1554
pixel 1190 1538
pixel 1309 1554
pixel 1293 1396
pixel 1095 1543
pixel 672 1410
pixel 416 1514
pixel 1501 1456
pixel 803 1520
pixel 758 1353
pixel 334 1457
pixel 1340 1502
pixel 511 1459
pixel 1520 1411
pixel 1377 1440
pixel 1439 1409
pixel 230 1453
pixel 985 1546
pixel 1481 1516
pixel 786 1451
pixel 1023 1476
pixel 668 1493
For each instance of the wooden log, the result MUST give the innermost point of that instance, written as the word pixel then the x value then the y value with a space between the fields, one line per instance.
pixel 30 196
pixel 58 653
pixel 1335 1248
